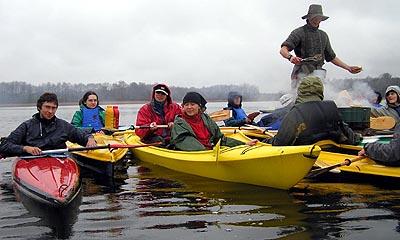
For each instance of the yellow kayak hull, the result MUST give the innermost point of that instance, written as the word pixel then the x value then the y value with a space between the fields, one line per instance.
pixel 263 165
pixel 365 166
pixel 103 155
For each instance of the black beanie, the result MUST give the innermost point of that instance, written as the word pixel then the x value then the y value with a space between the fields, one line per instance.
pixel 194 97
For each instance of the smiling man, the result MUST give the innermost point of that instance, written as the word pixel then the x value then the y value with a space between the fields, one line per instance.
pixel 44 131
pixel 311 47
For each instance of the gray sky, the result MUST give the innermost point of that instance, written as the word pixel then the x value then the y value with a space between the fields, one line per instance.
pixel 186 42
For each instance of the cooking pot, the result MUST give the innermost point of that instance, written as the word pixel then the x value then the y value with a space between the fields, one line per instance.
pixel 356 117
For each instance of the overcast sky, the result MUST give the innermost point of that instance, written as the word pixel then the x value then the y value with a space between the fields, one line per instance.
pixel 186 42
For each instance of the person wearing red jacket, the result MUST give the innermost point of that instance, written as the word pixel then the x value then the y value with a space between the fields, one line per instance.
pixel 160 111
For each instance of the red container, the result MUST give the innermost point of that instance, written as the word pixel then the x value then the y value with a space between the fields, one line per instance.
pixel 116 117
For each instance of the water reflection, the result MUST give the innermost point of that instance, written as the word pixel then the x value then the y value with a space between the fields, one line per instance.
pixel 216 209
pixel 349 210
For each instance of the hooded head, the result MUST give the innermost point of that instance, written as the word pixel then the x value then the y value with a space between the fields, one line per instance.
pixel 162 88
pixel 310 89
pixel 395 89
pixel 231 99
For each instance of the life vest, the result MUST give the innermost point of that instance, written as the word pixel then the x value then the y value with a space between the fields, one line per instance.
pixel 91 118
pixel 238 113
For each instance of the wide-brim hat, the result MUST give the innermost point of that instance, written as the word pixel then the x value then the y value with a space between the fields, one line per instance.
pixel 313 11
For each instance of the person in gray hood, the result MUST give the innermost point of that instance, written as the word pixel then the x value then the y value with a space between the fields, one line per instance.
pixel 44 131
pixel 392 107
pixel 387 154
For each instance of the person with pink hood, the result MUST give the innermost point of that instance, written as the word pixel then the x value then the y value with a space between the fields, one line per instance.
pixel 161 110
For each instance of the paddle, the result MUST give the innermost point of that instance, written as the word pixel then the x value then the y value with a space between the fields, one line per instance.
pixel 264 131
pixel 221 115
pixel 382 123
pixel 108 146
pixel 346 162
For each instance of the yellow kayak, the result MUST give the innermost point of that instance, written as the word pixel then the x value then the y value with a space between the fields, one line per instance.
pixel 341 152
pixel 263 165
pixel 103 155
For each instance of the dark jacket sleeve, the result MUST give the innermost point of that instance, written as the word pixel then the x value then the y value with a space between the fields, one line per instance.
pixel 288 131
pixel 76 135
pixel 13 144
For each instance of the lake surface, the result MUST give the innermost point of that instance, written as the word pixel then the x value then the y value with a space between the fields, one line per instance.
pixel 150 202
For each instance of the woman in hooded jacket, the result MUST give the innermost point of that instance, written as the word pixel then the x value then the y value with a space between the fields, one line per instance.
pixel 90 116
pixel 161 110
pixel 392 107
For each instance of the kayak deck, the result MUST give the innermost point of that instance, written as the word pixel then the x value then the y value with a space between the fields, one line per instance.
pixel 51 180
pixel 102 155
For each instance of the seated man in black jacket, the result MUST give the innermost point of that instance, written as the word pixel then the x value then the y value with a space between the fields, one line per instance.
pixel 312 120
pixel 43 131
pixel 386 154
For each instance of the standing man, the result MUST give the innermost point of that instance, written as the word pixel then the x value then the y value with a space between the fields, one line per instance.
pixel 311 47
pixel 43 131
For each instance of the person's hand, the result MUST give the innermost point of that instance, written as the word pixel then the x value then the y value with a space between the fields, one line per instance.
pixel 295 60
pixel 32 150
pixel 91 142
pixel 354 69
pixel 362 152
pixel 170 125
pixel 252 142
pixel 100 132
pixel 248 120
pixel 153 126
pixel 253 115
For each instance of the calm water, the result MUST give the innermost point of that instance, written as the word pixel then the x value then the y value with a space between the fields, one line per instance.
pixel 150 202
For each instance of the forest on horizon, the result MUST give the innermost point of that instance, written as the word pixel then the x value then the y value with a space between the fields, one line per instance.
pixel 23 93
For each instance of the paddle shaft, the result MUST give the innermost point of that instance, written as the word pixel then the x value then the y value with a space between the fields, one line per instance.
pixel 346 162
pixel 108 146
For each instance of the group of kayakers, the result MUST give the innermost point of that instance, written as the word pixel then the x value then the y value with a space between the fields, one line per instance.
pixel 304 118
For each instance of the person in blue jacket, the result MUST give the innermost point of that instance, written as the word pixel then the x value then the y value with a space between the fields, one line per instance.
pixel 239 116
pixel 91 116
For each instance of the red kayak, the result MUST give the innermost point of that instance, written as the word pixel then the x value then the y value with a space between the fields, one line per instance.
pixel 53 181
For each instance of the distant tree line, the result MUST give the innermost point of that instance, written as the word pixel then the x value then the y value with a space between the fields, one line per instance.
pixel 24 93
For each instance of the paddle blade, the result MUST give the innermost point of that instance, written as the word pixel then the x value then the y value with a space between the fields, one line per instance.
pixel 382 123
pixel 221 115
